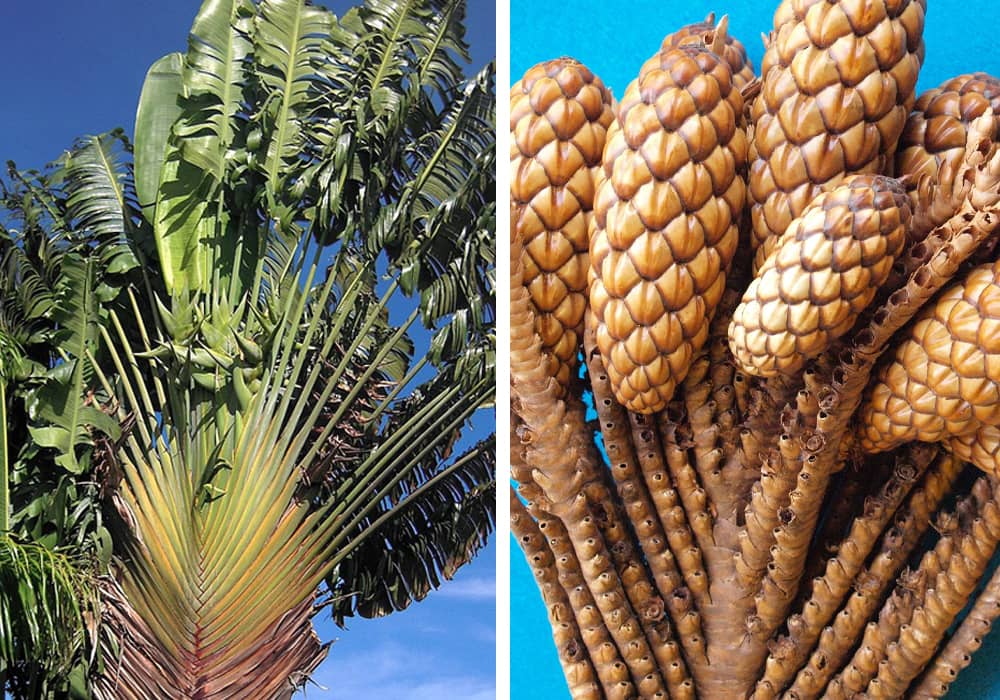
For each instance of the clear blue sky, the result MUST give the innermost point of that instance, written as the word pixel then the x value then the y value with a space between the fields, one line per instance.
pixel 76 67
pixel 614 43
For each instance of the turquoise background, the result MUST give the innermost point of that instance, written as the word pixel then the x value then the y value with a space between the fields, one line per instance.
pixel 613 39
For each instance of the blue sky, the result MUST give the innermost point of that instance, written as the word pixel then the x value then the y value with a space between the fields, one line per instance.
pixel 75 68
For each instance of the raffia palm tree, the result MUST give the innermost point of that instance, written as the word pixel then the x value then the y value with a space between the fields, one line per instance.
pixel 284 314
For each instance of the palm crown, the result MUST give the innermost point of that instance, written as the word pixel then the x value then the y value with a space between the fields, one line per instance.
pixel 263 333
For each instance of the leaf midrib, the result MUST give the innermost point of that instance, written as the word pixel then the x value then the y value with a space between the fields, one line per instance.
pixel 272 172
pixel 383 65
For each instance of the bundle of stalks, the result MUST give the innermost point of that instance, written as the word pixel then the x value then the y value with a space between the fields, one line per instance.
pixel 776 302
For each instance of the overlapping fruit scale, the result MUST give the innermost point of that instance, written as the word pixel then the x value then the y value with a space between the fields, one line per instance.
pixel 838 83
pixel 733 50
pixel 932 149
pixel 560 112
pixel 669 198
pixel 824 271
pixel 944 379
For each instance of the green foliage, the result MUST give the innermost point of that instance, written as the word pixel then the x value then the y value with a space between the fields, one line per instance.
pixel 191 225
pixel 159 108
pixel 63 414
pixel 252 364
pixel 44 597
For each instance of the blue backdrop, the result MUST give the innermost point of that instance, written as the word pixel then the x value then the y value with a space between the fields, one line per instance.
pixel 613 39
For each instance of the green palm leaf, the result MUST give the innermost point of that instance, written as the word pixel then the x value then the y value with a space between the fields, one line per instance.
pixel 425 532
pixel 43 597
pixel 291 37
pixel 101 200
pixel 190 222
pixel 63 416
pixel 159 107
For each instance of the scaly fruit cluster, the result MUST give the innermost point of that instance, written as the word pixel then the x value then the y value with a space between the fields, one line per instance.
pixel 669 200
pixel 944 380
pixel 932 147
pixel 824 271
pixel 981 448
pixel 559 116
pixel 733 539
pixel 838 83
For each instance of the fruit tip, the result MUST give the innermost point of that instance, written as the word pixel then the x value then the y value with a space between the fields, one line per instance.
pixel 720 33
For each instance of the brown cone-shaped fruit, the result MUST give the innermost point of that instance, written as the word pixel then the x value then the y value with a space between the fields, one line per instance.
pixel 944 380
pixel 932 149
pixel 559 116
pixel 981 448
pixel 824 271
pixel 733 51
pixel 838 83
pixel 669 197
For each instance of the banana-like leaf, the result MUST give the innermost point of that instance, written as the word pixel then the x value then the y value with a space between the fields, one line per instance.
pixel 159 107
pixel 191 228
pixel 291 38
pixel 63 416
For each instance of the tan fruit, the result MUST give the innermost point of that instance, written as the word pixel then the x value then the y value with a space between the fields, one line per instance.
pixel 665 227
pixel 981 448
pixel 838 83
pixel 932 149
pixel 559 116
pixel 734 51
pixel 824 271
pixel 944 380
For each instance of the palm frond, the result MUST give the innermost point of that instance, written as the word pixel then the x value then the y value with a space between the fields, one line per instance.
pixel 189 224
pixel 100 199
pixel 290 39
pixel 437 50
pixel 63 416
pixel 44 596
pixel 417 538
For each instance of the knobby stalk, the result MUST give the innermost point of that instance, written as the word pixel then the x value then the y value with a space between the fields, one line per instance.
pixel 680 566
